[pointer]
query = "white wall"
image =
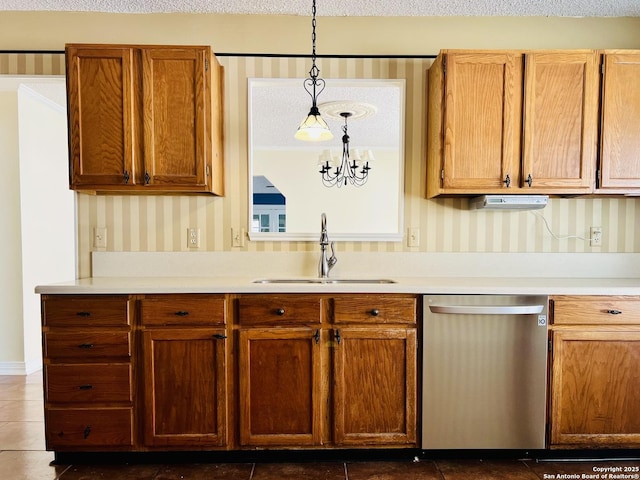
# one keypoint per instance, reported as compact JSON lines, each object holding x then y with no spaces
{"x":11,"y":344}
{"x":38,"y":230}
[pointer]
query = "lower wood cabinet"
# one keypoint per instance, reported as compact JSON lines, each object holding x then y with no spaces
{"x":594,"y":394}
{"x":184,"y":371}
{"x":88,"y":372}
{"x":327,"y":379}
{"x":280,"y":384}
{"x":223,"y":372}
{"x":374,"y":389}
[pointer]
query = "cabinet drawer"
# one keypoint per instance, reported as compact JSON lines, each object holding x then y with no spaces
{"x":86,"y":310}
{"x":374,"y":309}
{"x":183,"y":309}
{"x":575,"y":310}
{"x":87,"y":345}
{"x":88,"y":383}
{"x":279,"y":309}
{"x":89,"y":427}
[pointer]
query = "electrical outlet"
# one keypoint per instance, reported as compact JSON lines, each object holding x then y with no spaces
{"x":595,"y":236}
{"x":100,"y":237}
{"x":193,"y":237}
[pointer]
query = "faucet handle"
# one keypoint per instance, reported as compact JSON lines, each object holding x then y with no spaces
{"x":333,"y":260}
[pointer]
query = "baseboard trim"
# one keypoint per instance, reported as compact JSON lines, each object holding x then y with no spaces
{"x":20,"y":368}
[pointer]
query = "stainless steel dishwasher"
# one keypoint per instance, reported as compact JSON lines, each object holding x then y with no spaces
{"x":484,"y":372}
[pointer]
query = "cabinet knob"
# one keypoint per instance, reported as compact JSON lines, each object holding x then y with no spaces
{"x":614,"y":312}
{"x":337,"y":336}
{"x":507,"y":181}
{"x":529,"y":180}
{"x":87,"y":432}
{"x":280,"y":312}
{"x":375,"y":312}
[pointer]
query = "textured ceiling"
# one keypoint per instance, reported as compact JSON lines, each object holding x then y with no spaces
{"x":379,"y":8}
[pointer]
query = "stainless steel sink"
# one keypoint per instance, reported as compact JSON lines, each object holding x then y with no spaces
{"x":326,"y":280}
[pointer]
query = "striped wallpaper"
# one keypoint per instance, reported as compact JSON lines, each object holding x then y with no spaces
{"x":159,"y":223}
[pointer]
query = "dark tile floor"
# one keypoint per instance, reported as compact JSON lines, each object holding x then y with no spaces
{"x":22,"y":457}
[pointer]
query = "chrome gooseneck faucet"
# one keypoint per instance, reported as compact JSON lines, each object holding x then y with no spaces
{"x":326,"y":263}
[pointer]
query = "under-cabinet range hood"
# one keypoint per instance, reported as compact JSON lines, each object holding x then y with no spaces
{"x":509,"y":202}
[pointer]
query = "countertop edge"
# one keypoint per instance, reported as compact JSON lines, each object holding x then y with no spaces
{"x":408,"y":285}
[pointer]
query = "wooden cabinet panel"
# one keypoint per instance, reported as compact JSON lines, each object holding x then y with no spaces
{"x":176,"y":107}
{"x":86,"y":310}
{"x":595,"y":310}
{"x":89,"y":428}
{"x":279,"y":309}
{"x":86,"y":345}
{"x":185,"y":385}
{"x":100,"y":83}
{"x":620,"y":142}
{"x":483,"y":101}
{"x":595,"y":398}
{"x":280,"y":387}
{"x":560,"y":121}
{"x":378,"y":309}
{"x":375,"y":386}
{"x":188,"y":309}
{"x":88,"y":383}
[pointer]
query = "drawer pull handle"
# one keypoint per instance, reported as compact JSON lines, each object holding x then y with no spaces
{"x":83,"y":314}
{"x":614,"y":312}
{"x":85,"y":387}
{"x":86,"y":345}
{"x":87,"y":432}
{"x":337,"y":336}
{"x":316,"y":336}
{"x":181,"y":313}
{"x":280,"y":312}
{"x":219,"y":336}
{"x":375,"y":312}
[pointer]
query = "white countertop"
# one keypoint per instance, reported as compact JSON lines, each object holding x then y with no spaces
{"x":454,"y":273}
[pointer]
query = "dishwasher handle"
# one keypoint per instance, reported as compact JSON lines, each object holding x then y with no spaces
{"x":487,"y":309}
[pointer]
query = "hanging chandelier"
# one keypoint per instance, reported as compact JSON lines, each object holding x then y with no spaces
{"x":313,"y":128}
{"x":352,"y":168}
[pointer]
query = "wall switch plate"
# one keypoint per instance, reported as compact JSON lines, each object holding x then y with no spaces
{"x":595,"y":236}
{"x":413,"y":237}
{"x":193,"y":237}
{"x":237,"y":237}
{"x":100,"y":237}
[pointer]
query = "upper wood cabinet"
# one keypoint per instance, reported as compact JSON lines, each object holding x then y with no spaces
{"x":619,"y":168}
{"x":144,"y":119}
{"x":512,"y":122}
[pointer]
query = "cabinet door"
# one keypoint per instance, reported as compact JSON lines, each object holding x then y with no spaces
{"x":482,"y":118}
{"x":280,"y":386}
{"x":595,"y":399}
{"x":375,"y":386}
{"x":176,"y":107}
{"x":620,"y":143}
{"x":101,"y":115}
{"x":560,"y":122}
{"x":185,"y":375}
